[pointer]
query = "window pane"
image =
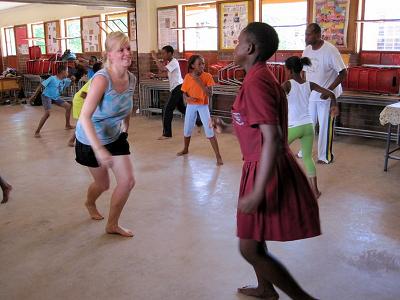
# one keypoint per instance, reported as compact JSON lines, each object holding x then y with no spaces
{"x":287,"y":14}
{"x":201,"y":38}
{"x":117,"y":22}
{"x":10,"y":41}
{"x":73,"y":29}
{"x":382,"y":36}
{"x":38,"y":32}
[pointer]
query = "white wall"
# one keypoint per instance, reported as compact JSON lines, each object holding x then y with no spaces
{"x":45,"y":12}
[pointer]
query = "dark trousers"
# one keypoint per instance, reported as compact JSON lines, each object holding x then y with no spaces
{"x":175,"y":101}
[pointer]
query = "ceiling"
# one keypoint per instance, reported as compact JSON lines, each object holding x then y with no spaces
{"x":112,"y":3}
{"x":8,"y":5}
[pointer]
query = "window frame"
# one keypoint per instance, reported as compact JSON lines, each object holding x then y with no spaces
{"x":6,"y":43}
{"x":362,"y":22}
{"x":184,"y":24}
{"x":66,"y":32}
{"x":44,"y":35}
{"x":115,"y":14}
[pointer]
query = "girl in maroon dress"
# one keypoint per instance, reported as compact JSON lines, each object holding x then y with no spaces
{"x":276,"y":202}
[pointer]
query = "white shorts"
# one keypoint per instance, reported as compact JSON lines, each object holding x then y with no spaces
{"x":190,"y":119}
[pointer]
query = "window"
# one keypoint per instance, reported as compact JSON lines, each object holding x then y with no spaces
{"x":289,"y":18}
{"x":117,"y":22}
{"x":73,"y":35}
{"x":38,"y":37}
{"x":10,"y":41}
{"x":201,"y":27}
{"x":380,"y":33}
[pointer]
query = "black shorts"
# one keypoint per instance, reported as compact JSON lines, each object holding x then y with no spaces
{"x":85,"y":155}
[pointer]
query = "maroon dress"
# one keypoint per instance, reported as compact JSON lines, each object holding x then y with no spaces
{"x":289,"y":210}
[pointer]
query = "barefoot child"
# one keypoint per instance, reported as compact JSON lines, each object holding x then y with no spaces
{"x":276,"y":202}
{"x":79,"y":97}
{"x":196,"y":91}
{"x":53,"y":88}
{"x":300,"y":123}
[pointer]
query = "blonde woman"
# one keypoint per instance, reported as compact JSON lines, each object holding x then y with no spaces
{"x":102,"y":131}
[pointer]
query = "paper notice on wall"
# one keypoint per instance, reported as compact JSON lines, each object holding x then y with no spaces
{"x":234,"y":17}
{"x":132,"y":30}
{"x":52,"y":44}
{"x":333,"y":17}
{"x":167,"y":20}
{"x":91,"y":34}
{"x":23,"y":49}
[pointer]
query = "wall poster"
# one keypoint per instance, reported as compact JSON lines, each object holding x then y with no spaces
{"x":21,"y":39}
{"x":167,"y":19}
{"x":333,"y":17}
{"x":132,"y":30}
{"x":91,"y":36}
{"x":53,"y":45}
{"x":233,"y":17}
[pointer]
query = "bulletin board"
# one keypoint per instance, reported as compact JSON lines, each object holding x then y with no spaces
{"x":21,"y":39}
{"x":91,"y":35}
{"x":52,"y":32}
{"x":333,"y":17}
{"x":233,"y":16}
{"x":132,"y":30}
{"x":167,"y":18}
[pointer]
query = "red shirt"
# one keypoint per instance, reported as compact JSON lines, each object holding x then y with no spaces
{"x":261,"y":100}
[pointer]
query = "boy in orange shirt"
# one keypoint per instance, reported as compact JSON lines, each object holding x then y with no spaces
{"x":196,"y":91}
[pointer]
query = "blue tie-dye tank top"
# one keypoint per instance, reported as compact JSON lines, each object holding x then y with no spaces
{"x":109,"y":114}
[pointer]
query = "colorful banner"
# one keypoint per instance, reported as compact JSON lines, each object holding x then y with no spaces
{"x":333,"y":17}
{"x":234,"y":16}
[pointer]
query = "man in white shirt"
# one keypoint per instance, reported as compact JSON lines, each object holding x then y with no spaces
{"x":175,"y":100}
{"x":327,"y":70}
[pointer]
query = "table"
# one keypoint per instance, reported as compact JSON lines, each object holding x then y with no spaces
{"x":10,"y":84}
{"x":391,"y":115}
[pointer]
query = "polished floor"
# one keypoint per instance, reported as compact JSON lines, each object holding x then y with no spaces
{"x":182,"y":212}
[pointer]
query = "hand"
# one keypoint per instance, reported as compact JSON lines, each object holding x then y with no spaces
{"x":325,"y":96}
{"x":250,"y":203}
{"x":103,"y":157}
{"x":150,"y":75}
{"x":154,"y":55}
{"x":334,"y":111}
{"x":217,"y":124}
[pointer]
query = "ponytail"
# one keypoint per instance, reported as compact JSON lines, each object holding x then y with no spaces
{"x":295,"y":63}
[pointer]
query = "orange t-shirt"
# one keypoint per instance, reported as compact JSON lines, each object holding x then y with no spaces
{"x":193,"y":89}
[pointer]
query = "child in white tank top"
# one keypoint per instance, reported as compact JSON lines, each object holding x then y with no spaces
{"x":299,"y":119}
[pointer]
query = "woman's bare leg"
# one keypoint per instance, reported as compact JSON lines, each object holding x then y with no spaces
{"x":100,"y":184}
{"x":123,"y":171}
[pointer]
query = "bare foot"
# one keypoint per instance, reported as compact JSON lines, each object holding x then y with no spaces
{"x":163,"y":137}
{"x":68,"y":127}
{"x":93,"y":212}
{"x":37,"y":135}
{"x":119,"y":230}
{"x":183,"y":152}
{"x":257,"y":292}
{"x":219,"y":161}
{"x":6,"y":193}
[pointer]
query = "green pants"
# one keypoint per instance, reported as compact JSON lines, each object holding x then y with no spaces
{"x":306,"y":135}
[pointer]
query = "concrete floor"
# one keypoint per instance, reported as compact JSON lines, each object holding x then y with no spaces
{"x":182,"y":211}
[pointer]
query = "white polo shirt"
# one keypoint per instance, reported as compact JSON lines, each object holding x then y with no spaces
{"x":174,"y":74}
{"x":326,"y":63}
